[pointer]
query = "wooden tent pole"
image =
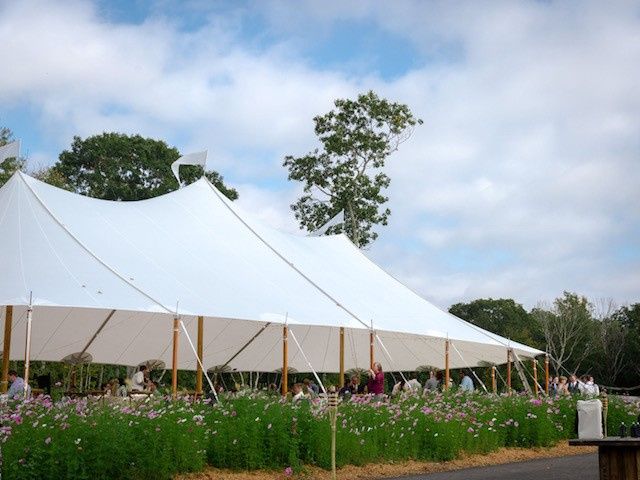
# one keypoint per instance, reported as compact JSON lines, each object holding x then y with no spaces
{"x":341,"y":380}
{"x":6,"y":351}
{"x":371,"y":352}
{"x":285,"y":360}
{"x":27,"y":351}
{"x":200,"y":351}
{"x":446,"y":365}
{"x":509,"y":371}
{"x":535,"y":376}
{"x":494,"y":386}
{"x":546,"y":374}
{"x":174,"y":368}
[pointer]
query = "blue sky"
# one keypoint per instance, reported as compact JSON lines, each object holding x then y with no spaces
{"x":521,"y":183}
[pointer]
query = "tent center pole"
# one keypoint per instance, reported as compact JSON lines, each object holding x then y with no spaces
{"x":6,"y":350}
{"x":341,"y":379}
{"x":200,"y":350}
{"x":446,"y":365}
{"x":494,"y":386}
{"x":27,"y":351}
{"x":285,"y":360}
{"x":174,"y":369}
{"x":509,"y":371}
{"x":546,"y":374}
{"x":371,"y":351}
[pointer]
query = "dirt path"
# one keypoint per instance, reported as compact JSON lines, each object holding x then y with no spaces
{"x":389,"y":470}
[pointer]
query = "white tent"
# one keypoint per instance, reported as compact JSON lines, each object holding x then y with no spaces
{"x":194,"y":252}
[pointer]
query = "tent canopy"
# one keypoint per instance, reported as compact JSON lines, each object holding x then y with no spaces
{"x":195,"y":253}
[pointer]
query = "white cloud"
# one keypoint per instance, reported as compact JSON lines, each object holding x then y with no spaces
{"x":529,"y":147}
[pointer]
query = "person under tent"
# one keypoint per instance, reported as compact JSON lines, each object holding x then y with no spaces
{"x":466,"y":384}
{"x":16,"y":390}
{"x":139,"y":380}
{"x":350,"y":388}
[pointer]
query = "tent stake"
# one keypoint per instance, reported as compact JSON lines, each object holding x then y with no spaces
{"x":446,"y":365}
{"x":6,"y":351}
{"x":199,"y":354}
{"x":285,"y":360}
{"x":174,"y":369}
{"x":341,"y":381}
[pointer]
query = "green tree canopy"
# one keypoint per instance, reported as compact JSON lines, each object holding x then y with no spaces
{"x":114,"y":166}
{"x":10,"y":165}
{"x":502,"y":316}
{"x":346,"y":173}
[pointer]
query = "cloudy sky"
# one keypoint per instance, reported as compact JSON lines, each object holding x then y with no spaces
{"x":523,"y":181}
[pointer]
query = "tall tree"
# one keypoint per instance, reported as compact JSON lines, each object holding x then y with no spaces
{"x":114,"y":166}
{"x":10,"y":165}
{"x":629,"y":317}
{"x":503,"y":317}
{"x":569,"y":330}
{"x":346,"y":174}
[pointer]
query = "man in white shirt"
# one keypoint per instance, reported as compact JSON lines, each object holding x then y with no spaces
{"x":138,"y":382}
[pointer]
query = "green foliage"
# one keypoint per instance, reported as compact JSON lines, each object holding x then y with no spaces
{"x":11,"y":165}
{"x":114,"y":166}
{"x":158,"y":439}
{"x":346,"y":174}
{"x":502,"y":316}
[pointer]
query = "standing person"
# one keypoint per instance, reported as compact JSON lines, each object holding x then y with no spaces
{"x":574,"y":386}
{"x":466,"y":384}
{"x":376,"y":380}
{"x":17,"y":386}
{"x":553,"y":386}
{"x":563,"y":388}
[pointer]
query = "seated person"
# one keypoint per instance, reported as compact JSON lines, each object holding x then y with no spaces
{"x":16,"y":390}
{"x":297,"y":393}
{"x":138,"y":381}
{"x":121,"y":387}
{"x":398,"y":388}
{"x":351,"y":387}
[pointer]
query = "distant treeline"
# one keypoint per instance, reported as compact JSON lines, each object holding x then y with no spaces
{"x":582,"y":336}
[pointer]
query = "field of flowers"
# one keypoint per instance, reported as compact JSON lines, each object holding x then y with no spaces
{"x":102,"y":440}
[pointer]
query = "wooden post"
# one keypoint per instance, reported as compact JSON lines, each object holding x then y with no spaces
{"x":546,"y":374}
{"x":6,"y":351}
{"x":446,"y":365}
{"x":341,"y":380}
{"x":285,"y":360}
{"x":509,"y":371}
{"x":494,"y":386}
{"x":200,"y":349}
{"x":535,"y":376}
{"x":174,"y":369}
{"x":27,"y":352}
{"x":371,"y":353}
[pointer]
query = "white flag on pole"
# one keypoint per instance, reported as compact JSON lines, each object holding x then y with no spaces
{"x":198,"y":158}
{"x":10,"y":150}
{"x":337,"y":220}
